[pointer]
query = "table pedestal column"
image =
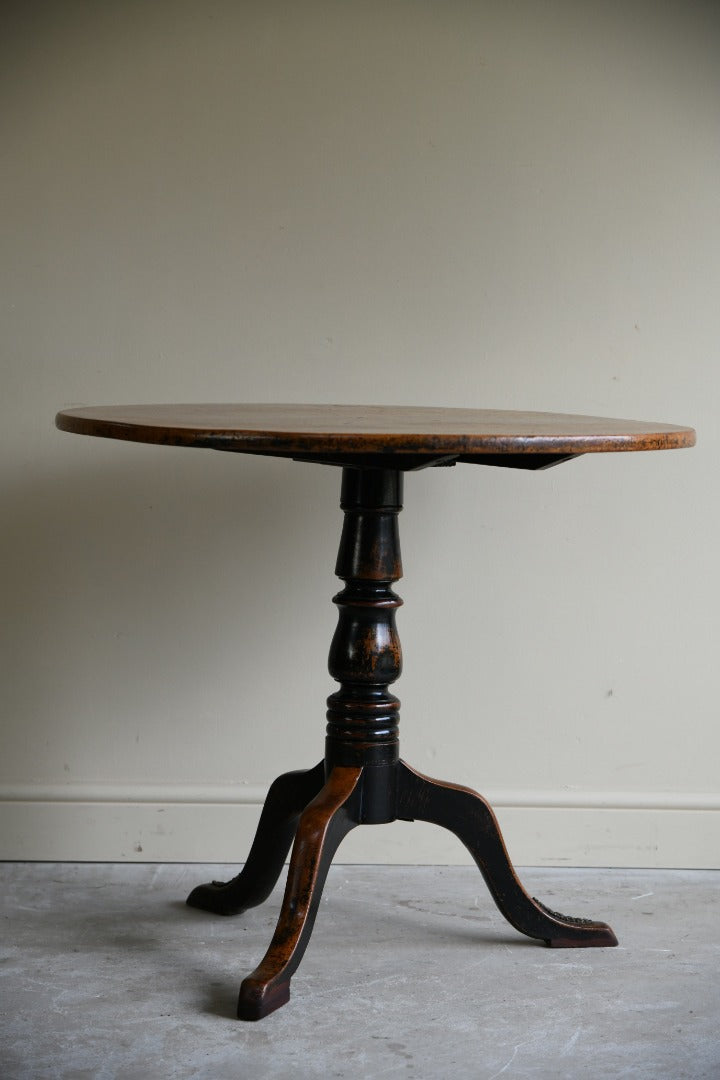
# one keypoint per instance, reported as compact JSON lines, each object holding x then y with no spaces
{"x":362,"y":780}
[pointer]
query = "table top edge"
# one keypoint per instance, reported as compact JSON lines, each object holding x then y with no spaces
{"x":564,"y":434}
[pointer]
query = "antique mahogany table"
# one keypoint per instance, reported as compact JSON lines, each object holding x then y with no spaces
{"x":362,"y":780}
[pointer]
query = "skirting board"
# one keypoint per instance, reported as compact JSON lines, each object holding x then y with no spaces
{"x":184,"y":824}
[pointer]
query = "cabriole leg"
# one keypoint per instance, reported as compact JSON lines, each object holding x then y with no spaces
{"x":470,"y":817}
{"x":287,"y":798}
{"x":328,"y":818}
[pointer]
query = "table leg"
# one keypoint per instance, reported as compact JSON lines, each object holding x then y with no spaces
{"x":287,"y":798}
{"x":471,"y":818}
{"x":323,"y":824}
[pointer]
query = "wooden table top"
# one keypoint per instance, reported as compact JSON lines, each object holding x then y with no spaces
{"x":343,"y":432}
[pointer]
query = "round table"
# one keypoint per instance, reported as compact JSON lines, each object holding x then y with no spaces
{"x":362,"y":779}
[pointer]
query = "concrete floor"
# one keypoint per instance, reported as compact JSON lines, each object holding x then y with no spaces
{"x":412,"y":972}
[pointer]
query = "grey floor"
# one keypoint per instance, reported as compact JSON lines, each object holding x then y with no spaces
{"x":411,"y":973}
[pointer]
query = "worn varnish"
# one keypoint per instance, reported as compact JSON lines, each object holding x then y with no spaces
{"x":287,"y":798}
{"x":362,"y":779}
{"x":337,"y":432}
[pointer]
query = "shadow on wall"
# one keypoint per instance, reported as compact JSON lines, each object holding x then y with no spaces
{"x":147,"y":591}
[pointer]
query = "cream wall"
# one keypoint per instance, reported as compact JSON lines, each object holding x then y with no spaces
{"x":481,"y":204}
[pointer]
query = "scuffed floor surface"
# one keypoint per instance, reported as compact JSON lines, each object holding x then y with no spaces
{"x":411,"y":973}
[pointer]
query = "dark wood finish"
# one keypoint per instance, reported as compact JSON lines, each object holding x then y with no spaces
{"x":470,"y":817}
{"x":365,"y":655}
{"x":362,"y":780}
{"x":329,"y":817}
{"x":372,"y":794}
{"x":331,"y":432}
{"x":287,"y":798}
{"x":367,"y":783}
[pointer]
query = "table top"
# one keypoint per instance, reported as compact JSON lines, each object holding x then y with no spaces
{"x":345,"y":433}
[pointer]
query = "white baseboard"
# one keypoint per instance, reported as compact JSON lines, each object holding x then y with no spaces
{"x":189,"y":823}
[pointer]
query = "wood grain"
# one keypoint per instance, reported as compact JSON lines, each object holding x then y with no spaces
{"x":327,"y":430}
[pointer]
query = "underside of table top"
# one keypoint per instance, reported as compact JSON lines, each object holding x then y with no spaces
{"x":404,"y":436}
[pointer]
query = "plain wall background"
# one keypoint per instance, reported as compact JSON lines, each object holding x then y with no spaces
{"x":501,"y":205}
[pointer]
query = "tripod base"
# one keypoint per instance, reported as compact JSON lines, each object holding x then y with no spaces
{"x":361,"y":780}
{"x":354,"y":795}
